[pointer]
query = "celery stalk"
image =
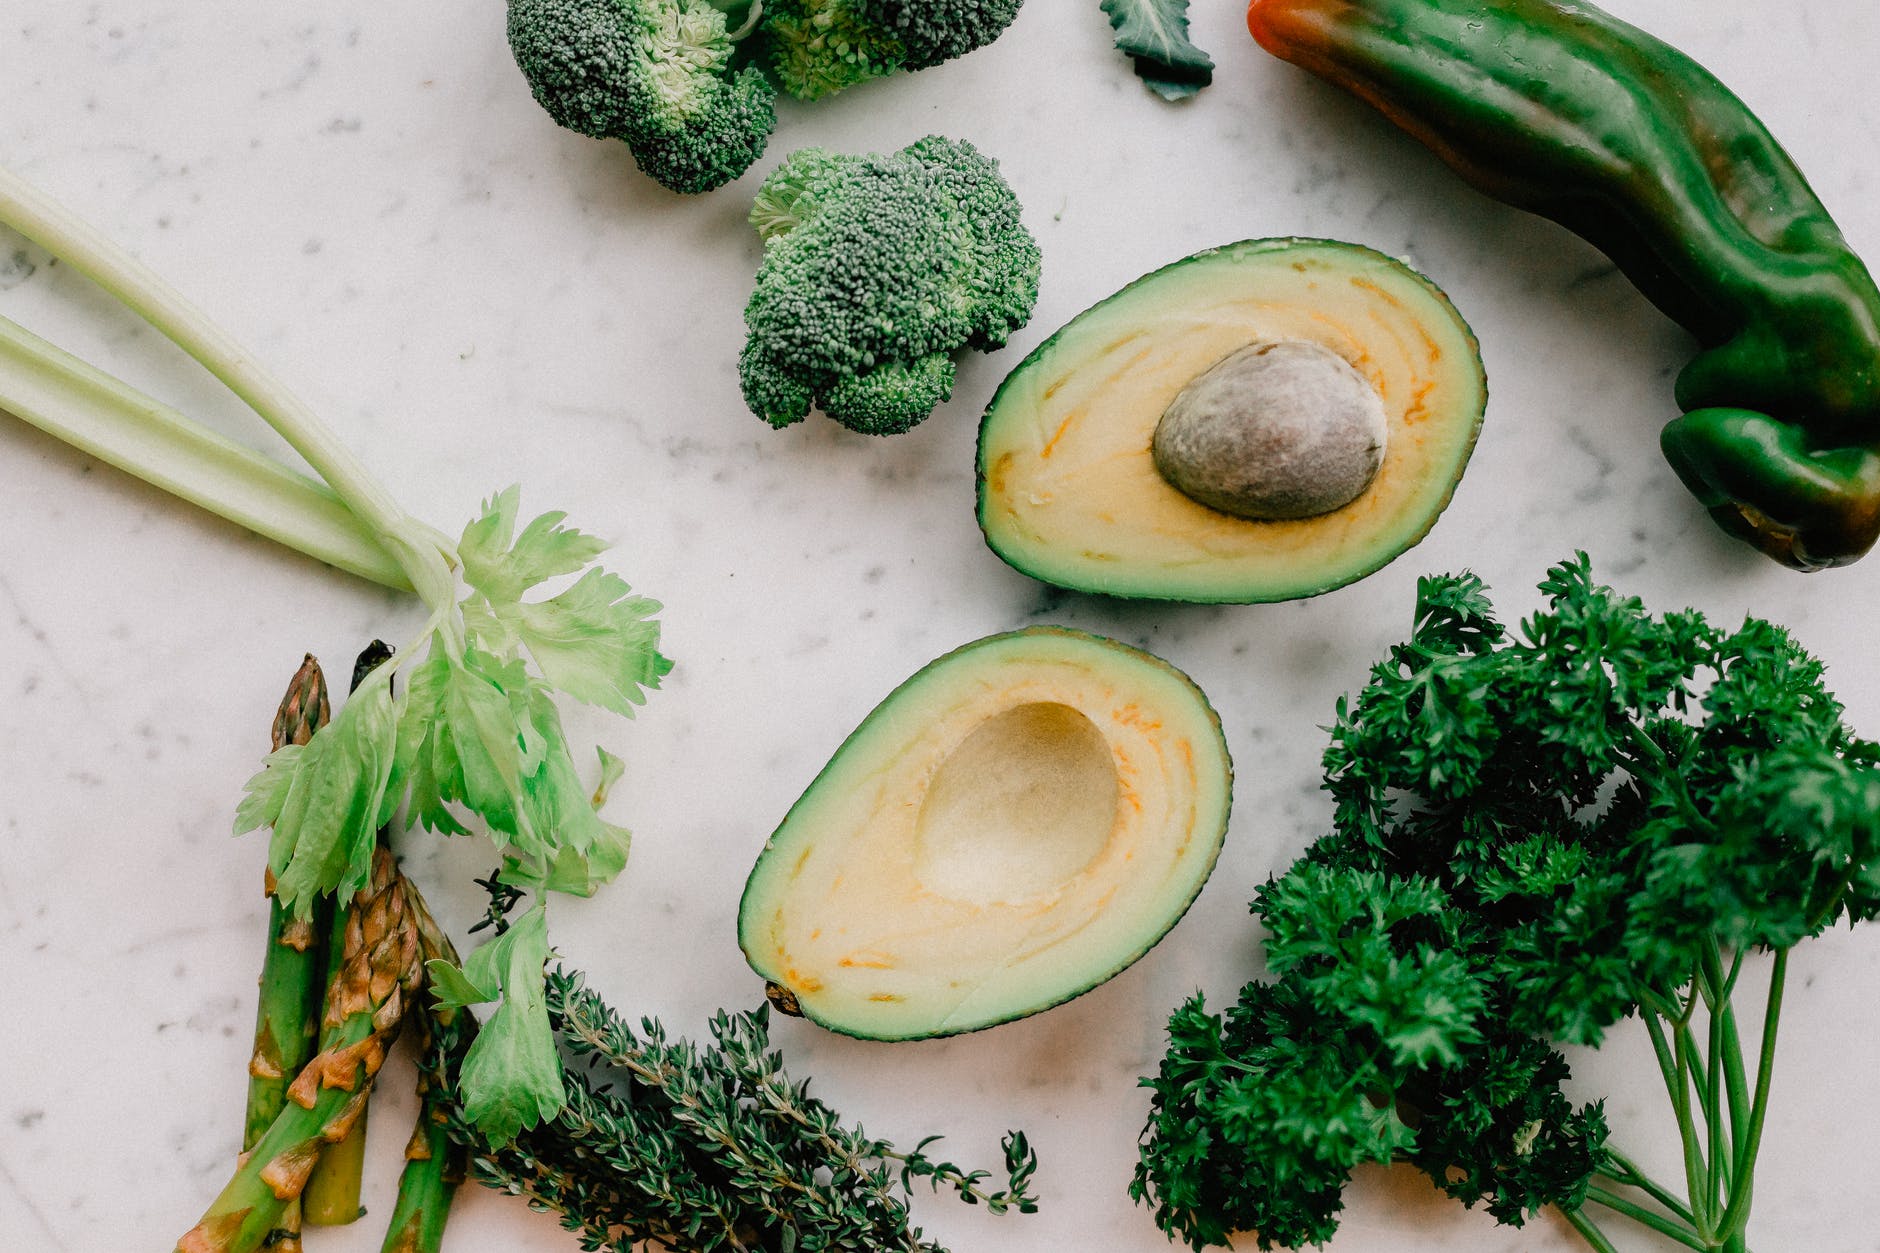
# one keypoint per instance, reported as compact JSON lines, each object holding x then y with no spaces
{"x":97,"y":414}
{"x":424,"y":556}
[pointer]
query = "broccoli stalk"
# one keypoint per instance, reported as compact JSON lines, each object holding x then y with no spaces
{"x":821,"y":46}
{"x":876,"y":270}
{"x":658,"y":74}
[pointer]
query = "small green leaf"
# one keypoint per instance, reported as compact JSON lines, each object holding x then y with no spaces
{"x":612,"y":768}
{"x":576,"y":873}
{"x":426,"y":754}
{"x":328,"y":821}
{"x":512,"y":1076}
{"x":266,"y":792}
{"x":475,"y":745}
{"x":482,"y":706}
{"x":593,"y":852}
{"x":1155,"y":35}
{"x":453,"y":988}
{"x":503,"y":568}
{"x":554,"y":796}
{"x":596,"y":641}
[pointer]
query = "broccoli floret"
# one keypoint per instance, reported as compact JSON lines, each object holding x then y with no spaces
{"x":820,"y":46}
{"x":655,"y":73}
{"x":877,"y":269}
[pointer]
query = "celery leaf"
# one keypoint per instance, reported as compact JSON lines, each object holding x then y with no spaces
{"x":266,"y":792}
{"x":512,"y":1076}
{"x":596,"y":641}
{"x":503,"y":565}
{"x":598,"y":853}
{"x":328,"y":820}
{"x":453,"y":988}
{"x":475,"y":731}
{"x":612,"y":769}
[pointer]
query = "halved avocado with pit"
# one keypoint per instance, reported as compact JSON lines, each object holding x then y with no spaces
{"x":1012,"y":826}
{"x":1069,"y":490}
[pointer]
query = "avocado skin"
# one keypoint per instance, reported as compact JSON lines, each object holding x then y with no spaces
{"x":749,"y":902}
{"x":1235,"y":595}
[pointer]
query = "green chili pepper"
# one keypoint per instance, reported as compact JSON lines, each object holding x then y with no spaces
{"x":1561,"y":109}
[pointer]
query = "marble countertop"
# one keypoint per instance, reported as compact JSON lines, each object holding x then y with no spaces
{"x":366,"y":195}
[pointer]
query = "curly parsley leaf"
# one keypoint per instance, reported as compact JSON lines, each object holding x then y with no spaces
{"x":1154,"y":33}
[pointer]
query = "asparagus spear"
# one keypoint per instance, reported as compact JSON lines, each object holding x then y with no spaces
{"x":287,"y":1018}
{"x":434,"y":1163}
{"x":434,"y":1166}
{"x":293,"y":967}
{"x":379,"y":977}
{"x":331,"y":1197}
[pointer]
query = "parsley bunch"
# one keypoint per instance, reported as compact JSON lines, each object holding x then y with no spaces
{"x":1537,"y":835}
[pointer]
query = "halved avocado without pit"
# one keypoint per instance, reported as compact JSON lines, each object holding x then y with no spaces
{"x":1074,"y":482}
{"x":1012,"y":826}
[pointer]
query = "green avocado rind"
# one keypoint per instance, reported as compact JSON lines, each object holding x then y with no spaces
{"x":1118,"y":580}
{"x":775,"y":853}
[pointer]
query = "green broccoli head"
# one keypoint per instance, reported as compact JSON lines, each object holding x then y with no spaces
{"x":821,"y":46}
{"x":877,"y":269}
{"x":655,"y":73}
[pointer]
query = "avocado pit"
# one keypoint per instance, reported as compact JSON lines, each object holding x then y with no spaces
{"x":1274,"y":431}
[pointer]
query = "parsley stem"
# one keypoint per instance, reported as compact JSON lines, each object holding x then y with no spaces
{"x":1589,"y":1231}
{"x":1697,"y":1171}
{"x":1648,"y":1218}
{"x":1628,"y":1174}
{"x":1714,"y":1101}
{"x":1661,"y":1049}
{"x":1736,"y":1084}
{"x":1673,"y":1064}
{"x":1655,"y":1004}
{"x":1737,"y":1216}
{"x":1667,"y":773}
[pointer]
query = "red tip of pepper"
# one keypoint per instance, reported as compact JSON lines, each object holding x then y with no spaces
{"x":1256,"y":20}
{"x":1280,"y":25}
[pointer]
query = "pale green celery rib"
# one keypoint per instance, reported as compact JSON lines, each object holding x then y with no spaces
{"x":114,"y":422}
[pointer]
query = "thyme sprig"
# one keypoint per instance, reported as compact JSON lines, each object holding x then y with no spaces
{"x":702,"y":1148}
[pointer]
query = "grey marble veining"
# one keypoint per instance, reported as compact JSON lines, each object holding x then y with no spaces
{"x":367,"y":196}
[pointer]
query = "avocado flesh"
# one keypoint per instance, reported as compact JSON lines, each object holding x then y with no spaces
{"x":1014,"y":825}
{"x":1068,"y":489}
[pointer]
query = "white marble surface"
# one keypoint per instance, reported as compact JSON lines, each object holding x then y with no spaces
{"x":366,"y":194}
